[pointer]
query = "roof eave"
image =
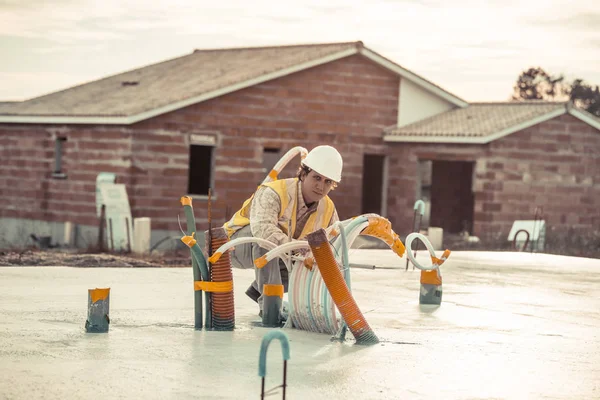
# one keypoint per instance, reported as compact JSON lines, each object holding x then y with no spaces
{"x":585,"y":117}
{"x":478,"y":139}
{"x":68,"y":120}
{"x":435,"y":139}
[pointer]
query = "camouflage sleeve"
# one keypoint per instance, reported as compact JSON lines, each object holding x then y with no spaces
{"x":264,"y":216}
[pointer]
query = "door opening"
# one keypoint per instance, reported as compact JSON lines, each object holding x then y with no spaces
{"x":451,"y":193}
{"x":373,"y":187}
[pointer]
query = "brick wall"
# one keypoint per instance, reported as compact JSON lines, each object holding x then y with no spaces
{"x":554,"y":165}
{"x":346,"y":103}
{"x":27,"y":187}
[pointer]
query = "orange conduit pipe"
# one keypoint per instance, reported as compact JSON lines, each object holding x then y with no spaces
{"x":334,"y":280}
{"x":223,"y":307}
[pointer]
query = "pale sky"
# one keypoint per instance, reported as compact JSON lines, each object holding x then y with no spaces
{"x":474,"y":49}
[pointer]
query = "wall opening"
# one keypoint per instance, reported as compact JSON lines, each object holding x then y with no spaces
{"x":451,"y":193}
{"x":200,"y":171}
{"x":58,"y":158}
{"x":373,"y":187}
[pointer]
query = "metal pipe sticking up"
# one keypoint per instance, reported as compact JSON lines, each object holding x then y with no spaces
{"x":419,"y":208}
{"x":186,"y":202}
{"x":431,"y":277}
{"x":208,"y":240}
{"x":98,"y":310}
{"x":537,"y":223}
{"x":262,"y":360}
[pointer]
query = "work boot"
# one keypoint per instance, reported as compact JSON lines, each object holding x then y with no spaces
{"x":253,"y":293}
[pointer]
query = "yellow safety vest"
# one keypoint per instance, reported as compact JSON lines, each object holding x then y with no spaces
{"x":287,"y":189}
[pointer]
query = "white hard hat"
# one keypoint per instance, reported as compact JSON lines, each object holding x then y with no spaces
{"x":326,"y":161}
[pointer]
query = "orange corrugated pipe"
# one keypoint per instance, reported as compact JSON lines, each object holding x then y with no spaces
{"x":334,"y":280}
{"x":223,"y":306}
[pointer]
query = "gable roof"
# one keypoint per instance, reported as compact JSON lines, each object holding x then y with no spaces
{"x":146,"y":92}
{"x":481,"y":123}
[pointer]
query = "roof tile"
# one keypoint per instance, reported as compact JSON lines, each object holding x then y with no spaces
{"x":477,"y":120}
{"x":174,"y":80}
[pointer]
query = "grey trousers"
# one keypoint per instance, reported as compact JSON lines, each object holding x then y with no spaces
{"x":243,"y":256}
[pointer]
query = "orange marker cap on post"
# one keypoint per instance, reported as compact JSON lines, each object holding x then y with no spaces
{"x":186,"y":201}
{"x":98,"y":294}
{"x":189,"y":240}
{"x":432,"y":277}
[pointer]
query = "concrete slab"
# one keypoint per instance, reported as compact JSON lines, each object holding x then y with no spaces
{"x":511,"y":325}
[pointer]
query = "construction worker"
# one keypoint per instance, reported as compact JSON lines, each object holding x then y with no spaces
{"x":284,"y":210}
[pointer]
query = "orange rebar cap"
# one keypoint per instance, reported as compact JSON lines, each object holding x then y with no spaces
{"x":186,"y":201}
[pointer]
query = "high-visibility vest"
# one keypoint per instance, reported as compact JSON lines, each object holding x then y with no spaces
{"x":287,"y":189}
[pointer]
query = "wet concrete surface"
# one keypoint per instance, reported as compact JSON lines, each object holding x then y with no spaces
{"x":511,"y":326}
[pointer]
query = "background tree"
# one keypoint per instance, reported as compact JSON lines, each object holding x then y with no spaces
{"x":585,"y":96}
{"x":537,"y":84}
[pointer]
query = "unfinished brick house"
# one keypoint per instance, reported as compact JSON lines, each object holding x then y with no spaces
{"x":221,"y":118}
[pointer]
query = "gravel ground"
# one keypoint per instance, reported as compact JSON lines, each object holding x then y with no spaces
{"x":34,"y":257}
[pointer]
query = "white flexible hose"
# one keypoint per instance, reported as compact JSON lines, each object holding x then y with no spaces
{"x":427,"y":243}
{"x":282,"y":249}
{"x":311,"y":306}
{"x":248,"y":239}
{"x":283,"y":161}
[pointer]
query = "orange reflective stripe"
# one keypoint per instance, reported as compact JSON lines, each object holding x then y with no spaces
{"x":273,"y":174}
{"x":218,"y":287}
{"x":446,"y":254}
{"x":440,"y":261}
{"x":273,"y":290}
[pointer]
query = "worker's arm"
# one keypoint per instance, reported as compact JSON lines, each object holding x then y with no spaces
{"x":264,"y":216}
